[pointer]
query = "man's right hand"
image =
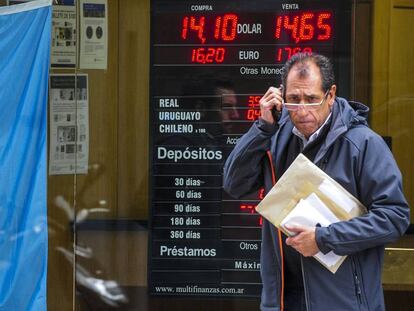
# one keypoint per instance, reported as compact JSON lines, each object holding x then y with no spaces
{"x":270,"y":100}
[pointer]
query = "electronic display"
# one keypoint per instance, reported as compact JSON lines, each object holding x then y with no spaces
{"x":210,"y":64}
{"x":221,"y":39}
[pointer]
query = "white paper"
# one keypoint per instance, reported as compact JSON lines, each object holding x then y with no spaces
{"x":69,"y":124}
{"x":311,"y":212}
{"x":94,"y":34}
{"x":337,"y":196}
{"x":63,"y":48}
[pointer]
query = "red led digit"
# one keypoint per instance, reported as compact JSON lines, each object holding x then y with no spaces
{"x":279,"y":55}
{"x":210,"y":55}
{"x":278,"y":27}
{"x":250,"y":115}
{"x":260,"y":221}
{"x":256,"y":100}
{"x":217,"y":28}
{"x":292,"y":26}
{"x":251,"y":101}
{"x":184,"y":31}
{"x":201,"y":57}
{"x":220,"y":52}
{"x":229,"y":27}
{"x":289,"y":52}
{"x":306,"y":30}
{"x":325,"y":26}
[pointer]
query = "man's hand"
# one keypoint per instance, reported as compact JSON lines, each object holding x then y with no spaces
{"x":304,"y":241}
{"x":271,"y":99}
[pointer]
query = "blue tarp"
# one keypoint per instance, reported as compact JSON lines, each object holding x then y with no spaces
{"x":25,"y":31}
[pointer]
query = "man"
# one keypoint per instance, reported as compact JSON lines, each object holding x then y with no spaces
{"x":333,"y":133}
{"x":228,"y":113}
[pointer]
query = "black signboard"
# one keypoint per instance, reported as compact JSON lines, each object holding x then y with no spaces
{"x":210,"y":63}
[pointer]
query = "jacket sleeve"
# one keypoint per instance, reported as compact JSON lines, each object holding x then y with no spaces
{"x":379,"y":183}
{"x":243,"y":168}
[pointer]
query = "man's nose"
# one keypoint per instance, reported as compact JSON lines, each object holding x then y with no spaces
{"x":302,"y":111}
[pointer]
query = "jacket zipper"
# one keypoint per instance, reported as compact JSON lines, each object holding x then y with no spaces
{"x":305,"y":285}
{"x":358,"y":290}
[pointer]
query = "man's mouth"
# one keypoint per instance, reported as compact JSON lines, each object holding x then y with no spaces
{"x":304,"y":121}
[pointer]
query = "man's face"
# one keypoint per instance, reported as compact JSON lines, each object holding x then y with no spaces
{"x":229,"y":113}
{"x":306,"y":89}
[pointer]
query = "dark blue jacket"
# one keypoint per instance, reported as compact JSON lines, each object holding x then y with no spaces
{"x":361,"y":162}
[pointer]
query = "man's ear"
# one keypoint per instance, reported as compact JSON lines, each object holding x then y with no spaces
{"x":332,"y":94}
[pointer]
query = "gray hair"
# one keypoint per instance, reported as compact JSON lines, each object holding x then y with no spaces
{"x":301,"y":59}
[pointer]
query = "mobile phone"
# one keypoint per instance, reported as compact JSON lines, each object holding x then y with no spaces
{"x":275,"y":113}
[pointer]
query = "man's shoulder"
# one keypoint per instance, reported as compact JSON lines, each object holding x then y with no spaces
{"x":361,"y":136}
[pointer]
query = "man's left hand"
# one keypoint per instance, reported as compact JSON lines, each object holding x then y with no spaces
{"x":304,"y":241}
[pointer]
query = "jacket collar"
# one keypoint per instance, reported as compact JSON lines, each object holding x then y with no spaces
{"x":345,"y":115}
